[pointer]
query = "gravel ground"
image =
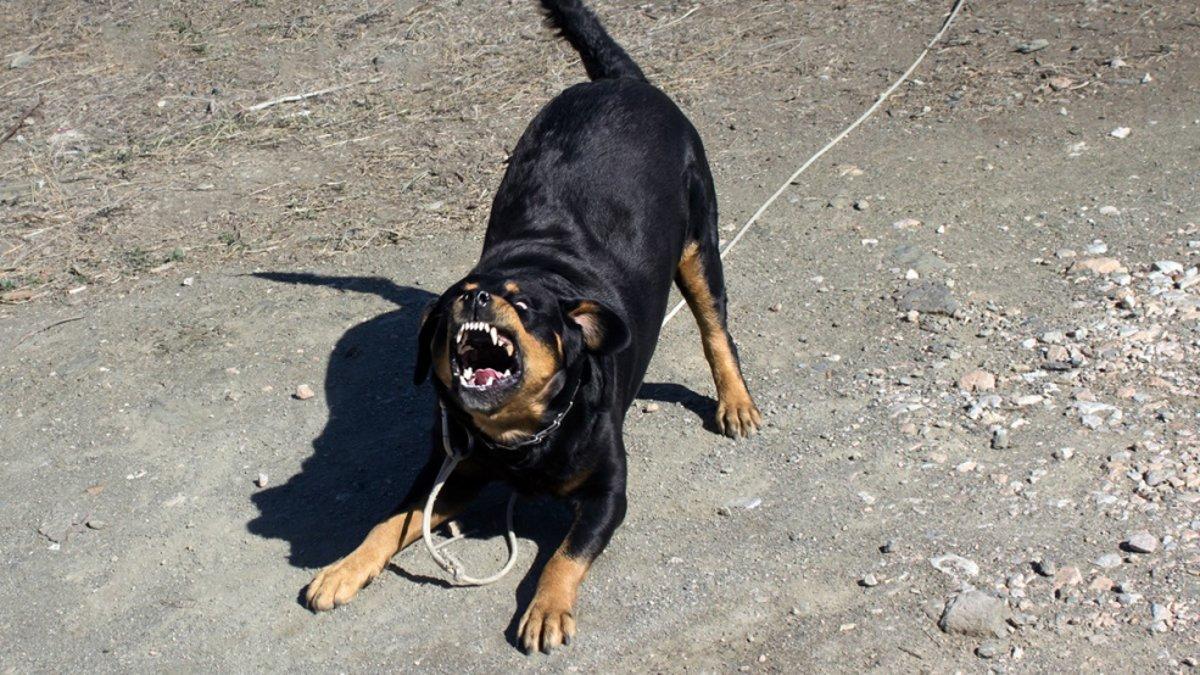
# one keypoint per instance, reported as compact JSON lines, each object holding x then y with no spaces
{"x":972,"y":330}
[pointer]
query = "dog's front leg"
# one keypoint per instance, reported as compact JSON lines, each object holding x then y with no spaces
{"x":550,"y":619}
{"x":338,"y":583}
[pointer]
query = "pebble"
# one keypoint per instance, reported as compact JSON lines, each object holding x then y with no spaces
{"x":1000,"y":439}
{"x":1168,"y":267}
{"x":1045,"y":567}
{"x":262,"y":480}
{"x":888,"y":546}
{"x":977,"y":380}
{"x":1033,"y":46}
{"x":96,"y":524}
{"x":906,"y":224}
{"x":868,"y":581}
{"x":1063,"y":454}
{"x":651,"y":408}
{"x":1142,"y":542}
{"x":974,"y":613}
{"x":862,"y":205}
{"x":188,"y":281}
{"x":1108,"y":561}
{"x":1109,"y":211}
{"x":1098,"y":266}
{"x":304,"y":392}
{"x":1120,"y":132}
{"x":955,"y":565}
{"x":929,"y":298}
{"x":988,"y":649}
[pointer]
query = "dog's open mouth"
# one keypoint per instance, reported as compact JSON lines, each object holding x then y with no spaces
{"x":485,"y":357}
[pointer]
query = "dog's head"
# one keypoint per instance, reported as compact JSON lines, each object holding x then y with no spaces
{"x":502,"y":348}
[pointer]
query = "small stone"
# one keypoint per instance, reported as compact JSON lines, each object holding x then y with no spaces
{"x":1102,"y":584}
{"x":977,"y":380}
{"x":1097,"y":266}
{"x":1109,"y":211}
{"x":1033,"y":46}
{"x":96,"y":524}
{"x":1142,"y":542}
{"x":988,"y":649}
{"x":839,"y":202}
{"x":1120,"y":132}
{"x":1067,"y":576}
{"x":906,"y":224}
{"x":1028,"y":400}
{"x":1000,"y":439}
{"x":1116,"y":63}
{"x":1063,"y":454}
{"x":1168,"y":267}
{"x":974,"y":613}
{"x":862,"y":205}
{"x":868,"y":581}
{"x":1108,"y":561}
{"x":888,"y":546}
{"x":651,"y":407}
{"x":955,"y":566}
{"x":304,"y":392}
{"x":1146,"y":79}
{"x":1059,"y":82}
{"x":775,"y":307}
{"x":1045,"y":567}
{"x":262,"y":480}
{"x":188,"y":281}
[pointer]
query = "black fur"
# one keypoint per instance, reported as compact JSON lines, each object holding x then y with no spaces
{"x":602,"y":194}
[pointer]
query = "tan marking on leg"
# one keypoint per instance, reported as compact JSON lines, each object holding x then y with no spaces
{"x":338,"y":583}
{"x":737,"y":416}
{"x":512,"y":287}
{"x":550,"y":619}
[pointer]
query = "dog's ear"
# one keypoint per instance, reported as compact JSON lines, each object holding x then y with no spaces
{"x":603,"y":331}
{"x":431,"y":327}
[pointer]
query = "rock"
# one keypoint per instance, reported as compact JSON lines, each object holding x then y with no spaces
{"x":906,"y":224}
{"x":1168,"y":266}
{"x":1063,"y":454}
{"x":928,"y":298}
{"x":1109,"y":211}
{"x":1066,"y":577}
{"x":1120,"y":132}
{"x":862,"y":205}
{"x":1102,"y":584}
{"x":747,"y":503}
{"x":1097,"y":266}
{"x":1000,"y":439}
{"x":96,"y":524}
{"x":888,"y":546}
{"x":868,"y":581}
{"x":1108,"y":561}
{"x":988,"y":649}
{"x":977,"y":380}
{"x":651,"y":407}
{"x":974,"y":613}
{"x":262,"y":480}
{"x":188,"y":281}
{"x":839,"y":202}
{"x":955,"y":566}
{"x":1028,"y":400}
{"x":1033,"y":46}
{"x":775,"y":307}
{"x":1059,"y":83}
{"x":1142,"y":542}
{"x":304,"y":392}
{"x":1146,"y":79}
{"x":1045,"y":567}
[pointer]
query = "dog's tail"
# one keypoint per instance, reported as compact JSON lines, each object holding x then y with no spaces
{"x":602,"y":56}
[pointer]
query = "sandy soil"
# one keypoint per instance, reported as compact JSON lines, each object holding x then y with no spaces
{"x":173,"y":266}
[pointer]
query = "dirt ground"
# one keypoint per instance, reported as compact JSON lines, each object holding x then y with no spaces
{"x":973,"y":330}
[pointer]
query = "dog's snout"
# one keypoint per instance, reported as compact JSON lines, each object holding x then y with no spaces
{"x":481,"y":299}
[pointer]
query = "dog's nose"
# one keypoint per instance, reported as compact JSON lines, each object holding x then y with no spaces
{"x":482,"y":298}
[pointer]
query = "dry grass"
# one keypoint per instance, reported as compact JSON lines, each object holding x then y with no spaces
{"x":143,"y":157}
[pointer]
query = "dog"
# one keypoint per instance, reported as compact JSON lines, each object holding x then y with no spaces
{"x":539,"y":351}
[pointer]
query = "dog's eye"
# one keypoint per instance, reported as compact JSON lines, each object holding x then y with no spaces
{"x":521,"y":305}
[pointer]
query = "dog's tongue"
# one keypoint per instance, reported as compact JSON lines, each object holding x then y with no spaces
{"x":485,"y":375}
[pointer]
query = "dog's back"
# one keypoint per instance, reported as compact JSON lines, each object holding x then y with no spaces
{"x":583,"y":193}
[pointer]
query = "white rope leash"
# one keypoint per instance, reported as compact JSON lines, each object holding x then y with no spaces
{"x":452,"y":565}
{"x":828,"y":146}
{"x":443,"y":558}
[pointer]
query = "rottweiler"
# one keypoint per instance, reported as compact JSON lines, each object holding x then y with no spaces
{"x":538,"y":352}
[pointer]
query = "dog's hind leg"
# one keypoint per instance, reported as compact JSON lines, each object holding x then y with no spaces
{"x":701,"y":280}
{"x":338,"y":583}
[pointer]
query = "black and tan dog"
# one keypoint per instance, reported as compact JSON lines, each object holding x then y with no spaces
{"x":539,"y":351}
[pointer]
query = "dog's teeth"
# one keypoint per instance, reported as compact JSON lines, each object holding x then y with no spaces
{"x":495,"y":340}
{"x":509,"y":348}
{"x":507,"y":373}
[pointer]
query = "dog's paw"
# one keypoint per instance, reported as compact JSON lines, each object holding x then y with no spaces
{"x":339,"y":583}
{"x":548,"y":623}
{"x":737,"y":416}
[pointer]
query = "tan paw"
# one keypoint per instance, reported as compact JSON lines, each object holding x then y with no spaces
{"x":737,"y":416}
{"x":548,"y":623}
{"x":340,"y":582}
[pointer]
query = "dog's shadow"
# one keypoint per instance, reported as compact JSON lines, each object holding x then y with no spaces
{"x":376,"y":439}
